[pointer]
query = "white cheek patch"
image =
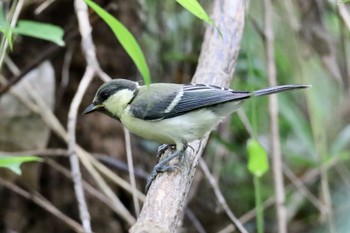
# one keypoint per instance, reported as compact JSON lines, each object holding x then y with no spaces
{"x":117,"y":102}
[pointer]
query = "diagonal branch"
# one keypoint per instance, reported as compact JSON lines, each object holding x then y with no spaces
{"x":166,"y":198}
{"x":220,"y":196}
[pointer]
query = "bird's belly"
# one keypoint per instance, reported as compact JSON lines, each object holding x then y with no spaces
{"x":184,"y":128}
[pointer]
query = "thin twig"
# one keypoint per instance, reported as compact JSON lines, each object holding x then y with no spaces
{"x":194,"y":220}
{"x":89,"y":163}
{"x":131,"y":171}
{"x":221,"y":197}
{"x":273,"y":113}
{"x":43,"y":203}
{"x":111,"y":175}
{"x":120,"y":165}
{"x":245,"y":121}
{"x":65,"y":72}
{"x":302,"y":188}
{"x":11,"y":65}
{"x":73,"y":158}
{"x":43,"y":6}
{"x":89,"y":188}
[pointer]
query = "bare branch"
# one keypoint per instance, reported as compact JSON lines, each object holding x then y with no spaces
{"x":273,"y":113}
{"x":220,"y":197}
{"x":73,"y":158}
{"x":131,"y":171}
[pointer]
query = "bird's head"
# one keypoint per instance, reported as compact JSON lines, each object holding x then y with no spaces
{"x":112,"y":97}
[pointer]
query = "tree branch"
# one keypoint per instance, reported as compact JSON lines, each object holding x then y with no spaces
{"x":273,"y":113}
{"x":166,"y":198}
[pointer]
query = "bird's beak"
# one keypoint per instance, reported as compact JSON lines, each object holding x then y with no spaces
{"x":93,"y":107}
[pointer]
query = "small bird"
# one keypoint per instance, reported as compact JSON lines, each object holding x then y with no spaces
{"x":172,"y":114}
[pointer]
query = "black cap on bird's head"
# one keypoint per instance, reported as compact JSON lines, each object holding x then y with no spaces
{"x":106,"y":90}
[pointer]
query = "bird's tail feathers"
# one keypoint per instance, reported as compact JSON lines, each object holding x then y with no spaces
{"x":272,"y":90}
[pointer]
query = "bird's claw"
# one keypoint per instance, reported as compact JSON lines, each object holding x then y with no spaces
{"x":159,"y":169}
{"x":163,"y":167}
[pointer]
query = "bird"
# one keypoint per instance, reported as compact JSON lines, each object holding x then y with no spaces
{"x":171,"y":114}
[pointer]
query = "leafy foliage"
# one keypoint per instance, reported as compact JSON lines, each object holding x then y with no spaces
{"x":126,"y":39}
{"x":42,"y":31}
{"x":196,"y":9}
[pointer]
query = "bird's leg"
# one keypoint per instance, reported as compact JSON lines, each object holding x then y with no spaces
{"x":182,"y":156}
{"x":163,"y":167}
{"x":162,"y":149}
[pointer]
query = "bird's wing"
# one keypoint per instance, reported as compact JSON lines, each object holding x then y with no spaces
{"x":181,"y":99}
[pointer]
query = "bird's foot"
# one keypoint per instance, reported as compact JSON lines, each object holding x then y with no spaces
{"x":163,"y":167}
{"x":159,"y":169}
{"x":162,"y":149}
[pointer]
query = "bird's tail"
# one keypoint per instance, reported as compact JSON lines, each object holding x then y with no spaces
{"x":272,"y":90}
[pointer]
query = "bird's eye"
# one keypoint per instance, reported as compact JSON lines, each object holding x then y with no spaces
{"x":104,"y":95}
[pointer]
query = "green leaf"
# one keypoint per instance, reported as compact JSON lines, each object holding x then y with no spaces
{"x":14,"y":163}
{"x":126,"y":39}
{"x":258,"y":163}
{"x":42,"y":31}
{"x":196,"y":9}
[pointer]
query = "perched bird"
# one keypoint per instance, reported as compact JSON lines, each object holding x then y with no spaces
{"x":173,"y":114}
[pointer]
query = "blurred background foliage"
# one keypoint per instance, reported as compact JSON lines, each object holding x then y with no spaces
{"x":312,"y":46}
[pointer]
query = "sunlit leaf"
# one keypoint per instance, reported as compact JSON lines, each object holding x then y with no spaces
{"x":42,"y":31}
{"x":196,"y":9}
{"x":14,"y":163}
{"x":258,"y":163}
{"x":126,"y":39}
